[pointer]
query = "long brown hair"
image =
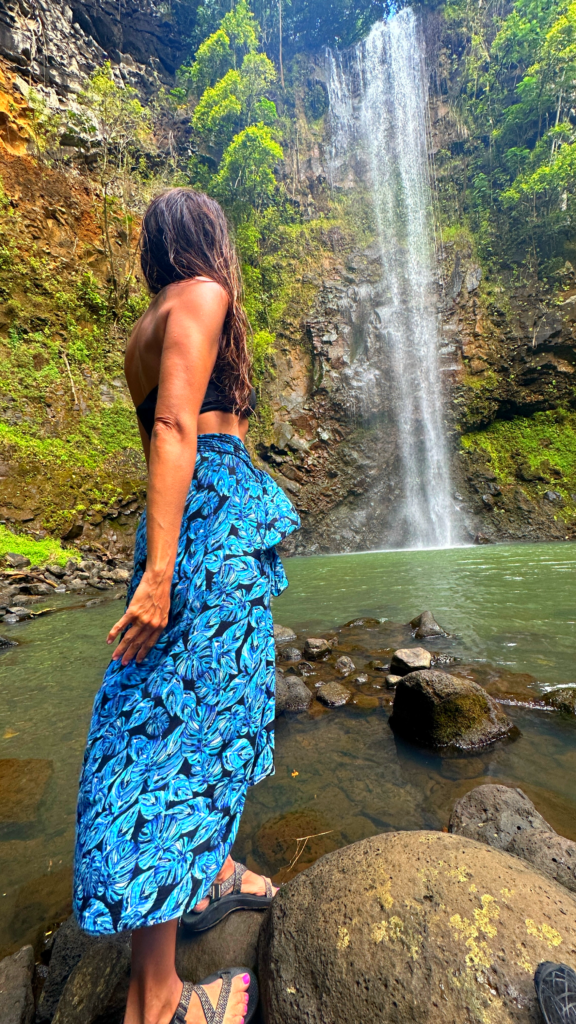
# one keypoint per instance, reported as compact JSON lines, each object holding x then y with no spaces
{"x":184,"y":235}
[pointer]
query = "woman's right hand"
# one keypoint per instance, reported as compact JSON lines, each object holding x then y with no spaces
{"x":144,"y":619}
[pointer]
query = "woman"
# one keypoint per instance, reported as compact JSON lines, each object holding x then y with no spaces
{"x":182,"y":723}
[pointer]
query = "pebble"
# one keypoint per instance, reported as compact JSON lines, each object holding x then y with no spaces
{"x":345,"y":665}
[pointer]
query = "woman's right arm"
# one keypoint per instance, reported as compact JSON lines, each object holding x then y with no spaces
{"x":193,"y":328}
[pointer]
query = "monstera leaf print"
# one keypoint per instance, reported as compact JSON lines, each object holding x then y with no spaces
{"x":175,"y":741}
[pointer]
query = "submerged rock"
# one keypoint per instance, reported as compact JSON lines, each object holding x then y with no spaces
{"x":23,"y":783}
{"x":316,"y":648}
{"x":412,"y":928}
{"x":506,"y":819}
{"x":292,"y":694}
{"x":5,"y":642}
{"x":344,"y":665}
{"x":16,"y":999}
{"x":290,"y":654}
{"x":334,"y":695}
{"x":425,"y":625}
{"x":283,"y":633}
{"x":435,"y":709}
{"x":562,"y":698}
{"x":410,"y":659}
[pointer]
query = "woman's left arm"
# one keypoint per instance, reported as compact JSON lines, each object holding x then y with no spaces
{"x":192,"y":333}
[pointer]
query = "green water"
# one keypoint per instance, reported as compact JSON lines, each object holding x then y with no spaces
{"x":513,"y":606}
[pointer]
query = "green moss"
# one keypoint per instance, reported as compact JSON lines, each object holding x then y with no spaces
{"x":544,"y":442}
{"x":40,"y":552}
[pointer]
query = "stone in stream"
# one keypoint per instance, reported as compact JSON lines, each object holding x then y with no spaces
{"x":562,"y":698}
{"x":16,"y":998}
{"x":435,"y":709}
{"x":506,"y":819}
{"x":392,"y":681}
{"x":316,"y":648}
{"x":425,"y":625}
{"x":292,"y":694}
{"x":412,"y":928}
{"x":290,"y":654}
{"x":304,"y":668}
{"x":410,"y":659}
{"x":5,"y":642}
{"x":16,"y":561}
{"x":283,"y":633}
{"x":334,"y":695}
{"x":344,"y":666}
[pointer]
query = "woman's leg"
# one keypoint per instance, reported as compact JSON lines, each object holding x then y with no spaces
{"x":155,"y":988}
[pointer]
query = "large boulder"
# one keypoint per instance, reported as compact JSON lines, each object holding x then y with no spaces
{"x":70,"y":945}
{"x":506,"y":819}
{"x":233,"y":941}
{"x":413,"y":928}
{"x":96,"y":990}
{"x":16,"y":999}
{"x":436,"y":709}
{"x":410,"y":659}
{"x":292,"y":694}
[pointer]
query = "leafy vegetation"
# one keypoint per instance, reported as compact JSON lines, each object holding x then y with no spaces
{"x":540,"y":449}
{"x":40,"y":552}
{"x":517,"y":158}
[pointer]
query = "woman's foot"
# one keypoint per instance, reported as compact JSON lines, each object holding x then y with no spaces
{"x":251,"y":883}
{"x":237,"y":1001}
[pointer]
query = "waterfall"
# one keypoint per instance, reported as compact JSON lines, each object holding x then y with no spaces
{"x":378,"y":110}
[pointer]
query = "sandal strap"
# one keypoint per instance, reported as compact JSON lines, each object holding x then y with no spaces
{"x":181,"y":1010}
{"x":233,"y":884}
{"x":215,"y":1015}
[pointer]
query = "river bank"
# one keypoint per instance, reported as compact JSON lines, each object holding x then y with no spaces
{"x":340,"y":771}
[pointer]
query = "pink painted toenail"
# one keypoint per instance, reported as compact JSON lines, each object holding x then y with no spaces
{"x":245,"y":978}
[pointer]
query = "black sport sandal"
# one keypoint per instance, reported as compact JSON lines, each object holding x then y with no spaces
{"x":555,"y":986}
{"x":225,"y":898}
{"x":215,"y":1014}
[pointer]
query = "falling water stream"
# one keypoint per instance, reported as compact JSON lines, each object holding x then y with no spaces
{"x":378,"y":104}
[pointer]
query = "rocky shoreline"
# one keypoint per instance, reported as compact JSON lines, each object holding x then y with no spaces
{"x":405,"y":926}
{"x":23,"y":585}
{"x":401,"y":927}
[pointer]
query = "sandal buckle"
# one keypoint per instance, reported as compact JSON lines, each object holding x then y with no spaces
{"x":215,"y":893}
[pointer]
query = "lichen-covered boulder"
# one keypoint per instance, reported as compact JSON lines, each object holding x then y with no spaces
{"x":413,"y":928}
{"x":562,"y":698}
{"x":436,"y":709}
{"x":506,"y":819}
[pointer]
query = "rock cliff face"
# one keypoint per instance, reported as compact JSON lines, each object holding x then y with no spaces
{"x":507,"y":350}
{"x":56,"y":45}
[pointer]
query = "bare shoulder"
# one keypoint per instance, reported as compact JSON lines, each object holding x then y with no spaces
{"x":198,"y":296}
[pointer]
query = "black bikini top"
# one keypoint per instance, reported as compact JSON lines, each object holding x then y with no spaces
{"x":215,"y":400}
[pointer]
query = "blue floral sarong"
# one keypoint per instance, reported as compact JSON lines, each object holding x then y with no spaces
{"x":175,"y":742}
